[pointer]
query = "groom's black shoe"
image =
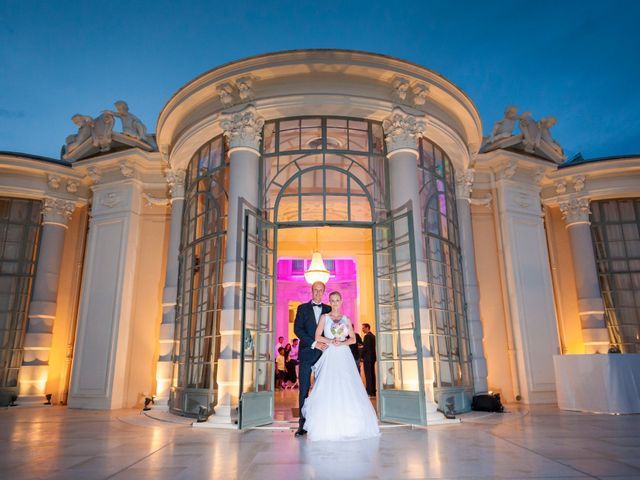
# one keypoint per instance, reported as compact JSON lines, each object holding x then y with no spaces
{"x":301,"y":432}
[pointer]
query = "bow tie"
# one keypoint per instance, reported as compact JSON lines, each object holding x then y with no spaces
{"x":316,"y":304}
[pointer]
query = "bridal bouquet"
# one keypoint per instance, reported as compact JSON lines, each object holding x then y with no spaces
{"x":339,"y":331}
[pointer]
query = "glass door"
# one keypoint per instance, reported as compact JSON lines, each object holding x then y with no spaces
{"x":258,"y":294}
{"x":401,"y":393}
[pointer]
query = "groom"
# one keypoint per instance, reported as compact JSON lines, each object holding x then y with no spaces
{"x":304,"y":327}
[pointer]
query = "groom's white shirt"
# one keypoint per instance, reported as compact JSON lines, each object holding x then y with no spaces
{"x":317,"y":311}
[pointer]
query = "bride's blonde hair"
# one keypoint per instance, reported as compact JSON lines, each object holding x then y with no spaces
{"x":336,"y":293}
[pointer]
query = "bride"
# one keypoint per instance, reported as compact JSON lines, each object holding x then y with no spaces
{"x":338,"y":407}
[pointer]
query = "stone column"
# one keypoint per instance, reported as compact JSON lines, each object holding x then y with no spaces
{"x":243,"y":131}
{"x":34,"y":370}
{"x":104,"y":347}
{"x":590,"y":306}
{"x":464,"y":184}
{"x":402,"y":132}
{"x":164,"y":369}
{"x":529,"y":289}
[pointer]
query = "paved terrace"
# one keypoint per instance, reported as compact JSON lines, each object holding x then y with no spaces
{"x":542,"y":442}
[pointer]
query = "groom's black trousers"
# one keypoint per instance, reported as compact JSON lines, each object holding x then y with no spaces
{"x":304,"y":383}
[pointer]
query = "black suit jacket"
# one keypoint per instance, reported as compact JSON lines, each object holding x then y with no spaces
{"x":369,"y":348}
{"x":356,"y":347}
{"x":305,"y":329}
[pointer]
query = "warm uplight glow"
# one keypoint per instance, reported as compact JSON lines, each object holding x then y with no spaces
{"x":317,"y":272}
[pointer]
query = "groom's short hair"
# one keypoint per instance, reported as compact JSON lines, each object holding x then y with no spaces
{"x":367,"y":326}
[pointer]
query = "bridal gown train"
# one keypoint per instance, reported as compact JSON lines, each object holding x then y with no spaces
{"x":338,"y":407}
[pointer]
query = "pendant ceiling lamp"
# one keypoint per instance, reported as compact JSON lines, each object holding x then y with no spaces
{"x":317,"y":272}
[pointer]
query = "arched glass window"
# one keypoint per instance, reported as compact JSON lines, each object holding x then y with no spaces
{"x":322,"y":169}
{"x":199,"y":286}
{"x":615,"y":225}
{"x":449,"y":340}
{"x":19,"y":232}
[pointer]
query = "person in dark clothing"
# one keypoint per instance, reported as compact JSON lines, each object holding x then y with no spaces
{"x":356,"y":347}
{"x":369,"y":358}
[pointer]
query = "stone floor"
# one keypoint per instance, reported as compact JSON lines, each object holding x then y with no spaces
{"x":542,"y":442}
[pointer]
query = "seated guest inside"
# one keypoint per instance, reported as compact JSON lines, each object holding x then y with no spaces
{"x":281,"y":371}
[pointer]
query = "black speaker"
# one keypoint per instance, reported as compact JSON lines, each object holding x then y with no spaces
{"x":488,"y":402}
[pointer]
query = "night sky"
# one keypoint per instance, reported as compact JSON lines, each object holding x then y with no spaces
{"x":578,"y":61}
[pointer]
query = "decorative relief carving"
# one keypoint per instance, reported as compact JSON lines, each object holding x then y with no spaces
{"x":402,"y":130}
{"x":151,"y":200}
{"x":126,"y":169}
{"x":94,"y":174}
{"x":72,"y":186}
{"x":57,"y":210}
{"x":575,"y":210}
{"x":53,"y":181}
{"x":561,"y":186}
{"x":243,"y":128}
{"x":225,"y":90}
{"x":420,"y":93}
{"x":485,"y":201}
{"x":510,"y":169}
{"x":400,"y":88}
{"x":539,"y":175}
{"x":110,"y":200}
{"x":245,"y":88}
{"x":464,"y":183}
{"x":578,"y":182}
{"x":175,"y":179}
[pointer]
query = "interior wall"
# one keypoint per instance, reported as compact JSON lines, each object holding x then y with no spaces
{"x":147,"y":311}
{"x":335,"y":242}
{"x":564,"y":283}
{"x":67,"y":307}
{"x":492,"y":310}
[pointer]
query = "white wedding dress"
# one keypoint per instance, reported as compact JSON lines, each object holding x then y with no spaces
{"x":338,"y":407}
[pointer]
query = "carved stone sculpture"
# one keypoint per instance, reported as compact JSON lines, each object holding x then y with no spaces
{"x":96,"y":134}
{"x":534,"y":137}
{"x":545,"y":135}
{"x":131,"y":125}
{"x":504,"y":128}
{"x":101,"y":131}
{"x":85,"y":125}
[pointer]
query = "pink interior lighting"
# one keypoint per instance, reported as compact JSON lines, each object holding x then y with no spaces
{"x":292,"y":287}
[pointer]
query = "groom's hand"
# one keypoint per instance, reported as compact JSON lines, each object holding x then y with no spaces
{"x":321,"y":346}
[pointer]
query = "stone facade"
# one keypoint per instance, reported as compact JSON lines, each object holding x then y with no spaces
{"x":530,"y":276}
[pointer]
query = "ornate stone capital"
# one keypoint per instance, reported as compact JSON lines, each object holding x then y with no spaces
{"x":176,"y":179}
{"x":402,"y":130}
{"x":575,"y":210}
{"x":243,"y":128}
{"x":57,"y":211}
{"x":464,"y":183}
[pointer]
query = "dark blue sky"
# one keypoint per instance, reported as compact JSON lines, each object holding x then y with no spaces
{"x":577,"y":61}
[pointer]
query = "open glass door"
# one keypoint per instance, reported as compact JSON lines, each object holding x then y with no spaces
{"x":401,"y":391}
{"x":258,"y":294}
